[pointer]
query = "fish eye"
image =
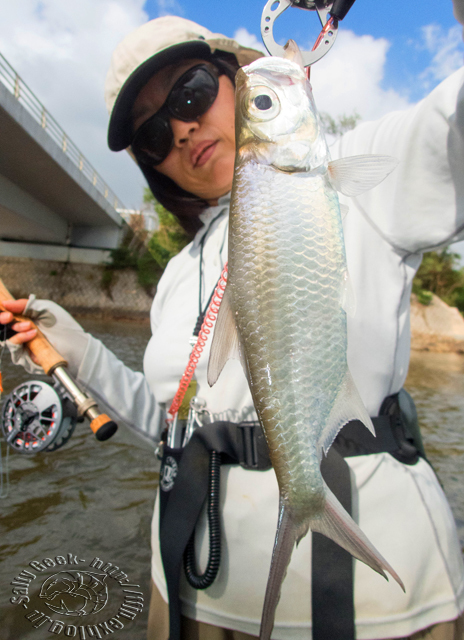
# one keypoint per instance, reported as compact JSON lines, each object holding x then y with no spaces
{"x":261,"y":104}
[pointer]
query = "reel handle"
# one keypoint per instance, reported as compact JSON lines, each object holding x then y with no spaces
{"x":54,"y":365}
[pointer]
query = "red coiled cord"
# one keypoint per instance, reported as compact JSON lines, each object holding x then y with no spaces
{"x":205,"y":330}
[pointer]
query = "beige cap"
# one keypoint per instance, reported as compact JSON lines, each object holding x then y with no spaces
{"x":146,"y":50}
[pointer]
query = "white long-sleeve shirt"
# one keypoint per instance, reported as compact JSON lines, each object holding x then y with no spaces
{"x":402,"y":509}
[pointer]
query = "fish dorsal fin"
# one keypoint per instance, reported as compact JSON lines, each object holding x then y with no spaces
{"x":348,"y":406}
{"x":356,"y":174}
{"x":226,"y":343}
{"x":293,"y":53}
{"x":348,"y":299}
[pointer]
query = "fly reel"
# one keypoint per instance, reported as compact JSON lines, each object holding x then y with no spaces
{"x":37,"y":417}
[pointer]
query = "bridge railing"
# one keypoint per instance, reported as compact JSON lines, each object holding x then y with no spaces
{"x":19,"y":89}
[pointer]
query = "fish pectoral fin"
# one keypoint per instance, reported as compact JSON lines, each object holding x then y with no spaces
{"x":348,"y":406}
{"x":225,"y":343}
{"x":356,"y":174}
{"x":336,"y":524}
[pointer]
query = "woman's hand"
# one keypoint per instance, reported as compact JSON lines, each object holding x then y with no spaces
{"x":24,"y":330}
{"x":58,"y":327}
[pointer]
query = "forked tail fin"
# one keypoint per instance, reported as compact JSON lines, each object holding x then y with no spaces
{"x":336,"y":524}
{"x":287,"y":535}
{"x":339,"y":526}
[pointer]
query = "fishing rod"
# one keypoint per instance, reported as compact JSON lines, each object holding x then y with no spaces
{"x":38,"y":417}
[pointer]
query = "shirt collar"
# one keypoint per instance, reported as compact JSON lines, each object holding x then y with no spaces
{"x":210,"y":214}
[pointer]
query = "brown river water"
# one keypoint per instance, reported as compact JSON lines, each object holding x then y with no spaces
{"x":91,"y":502}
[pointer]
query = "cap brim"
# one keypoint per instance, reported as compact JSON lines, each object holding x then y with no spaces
{"x":120,"y":125}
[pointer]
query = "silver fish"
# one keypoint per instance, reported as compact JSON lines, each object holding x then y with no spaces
{"x":284,"y":308}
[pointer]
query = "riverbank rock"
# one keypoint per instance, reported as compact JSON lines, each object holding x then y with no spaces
{"x":436,"y":326}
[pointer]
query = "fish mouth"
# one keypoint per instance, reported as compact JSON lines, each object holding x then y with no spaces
{"x":202,"y":152}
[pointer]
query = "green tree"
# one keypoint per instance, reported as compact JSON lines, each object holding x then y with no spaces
{"x":169,"y":238}
{"x":340,"y":125}
{"x":133,"y":253}
{"x":439,"y":274}
{"x":147,"y":255}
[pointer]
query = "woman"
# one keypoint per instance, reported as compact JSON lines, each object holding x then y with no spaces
{"x":170,"y":95}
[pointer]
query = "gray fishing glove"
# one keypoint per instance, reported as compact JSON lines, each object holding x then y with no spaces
{"x":60,"y":329}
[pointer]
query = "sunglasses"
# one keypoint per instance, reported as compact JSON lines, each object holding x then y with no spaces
{"x":190,"y":97}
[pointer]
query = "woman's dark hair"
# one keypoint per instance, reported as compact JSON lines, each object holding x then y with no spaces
{"x":183,"y":204}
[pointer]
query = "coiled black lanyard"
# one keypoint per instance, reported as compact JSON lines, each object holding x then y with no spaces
{"x":206,"y":579}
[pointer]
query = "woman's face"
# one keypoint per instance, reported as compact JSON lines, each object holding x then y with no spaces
{"x":202,"y":158}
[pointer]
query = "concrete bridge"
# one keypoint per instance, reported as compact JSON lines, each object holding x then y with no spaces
{"x":53,"y":203}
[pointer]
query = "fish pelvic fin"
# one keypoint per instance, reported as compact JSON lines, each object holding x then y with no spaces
{"x":348,"y":406}
{"x":335,"y":523}
{"x":288,"y":534}
{"x":355,"y":174}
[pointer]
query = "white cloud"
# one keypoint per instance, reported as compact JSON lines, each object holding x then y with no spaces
{"x":62,"y":49}
{"x":349,"y":78}
{"x":170,"y":7}
{"x":447,"y":51}
{"x":247,"y":39}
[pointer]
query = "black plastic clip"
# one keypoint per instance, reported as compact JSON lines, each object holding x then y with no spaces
{"x":253,"y":450}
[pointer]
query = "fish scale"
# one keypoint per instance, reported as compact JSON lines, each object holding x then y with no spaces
{"x":296,"y":286}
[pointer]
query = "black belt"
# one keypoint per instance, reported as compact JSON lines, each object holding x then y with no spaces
{"x":186,"y":488}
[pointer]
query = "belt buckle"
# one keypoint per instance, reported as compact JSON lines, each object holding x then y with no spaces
{"x":249,"y":445}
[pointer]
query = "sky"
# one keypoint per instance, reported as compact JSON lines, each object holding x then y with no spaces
{"x":388,"y":55}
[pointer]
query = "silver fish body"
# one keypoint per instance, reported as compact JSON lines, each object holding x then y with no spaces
{"x":284,"y":307}
{"x":286,"y":275}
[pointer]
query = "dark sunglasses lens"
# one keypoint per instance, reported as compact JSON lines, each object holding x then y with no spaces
{"x":153,"y":140}
{"x":194,"y":95}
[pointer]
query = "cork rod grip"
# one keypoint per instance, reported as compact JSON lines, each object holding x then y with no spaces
{"x":46,"y":356}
